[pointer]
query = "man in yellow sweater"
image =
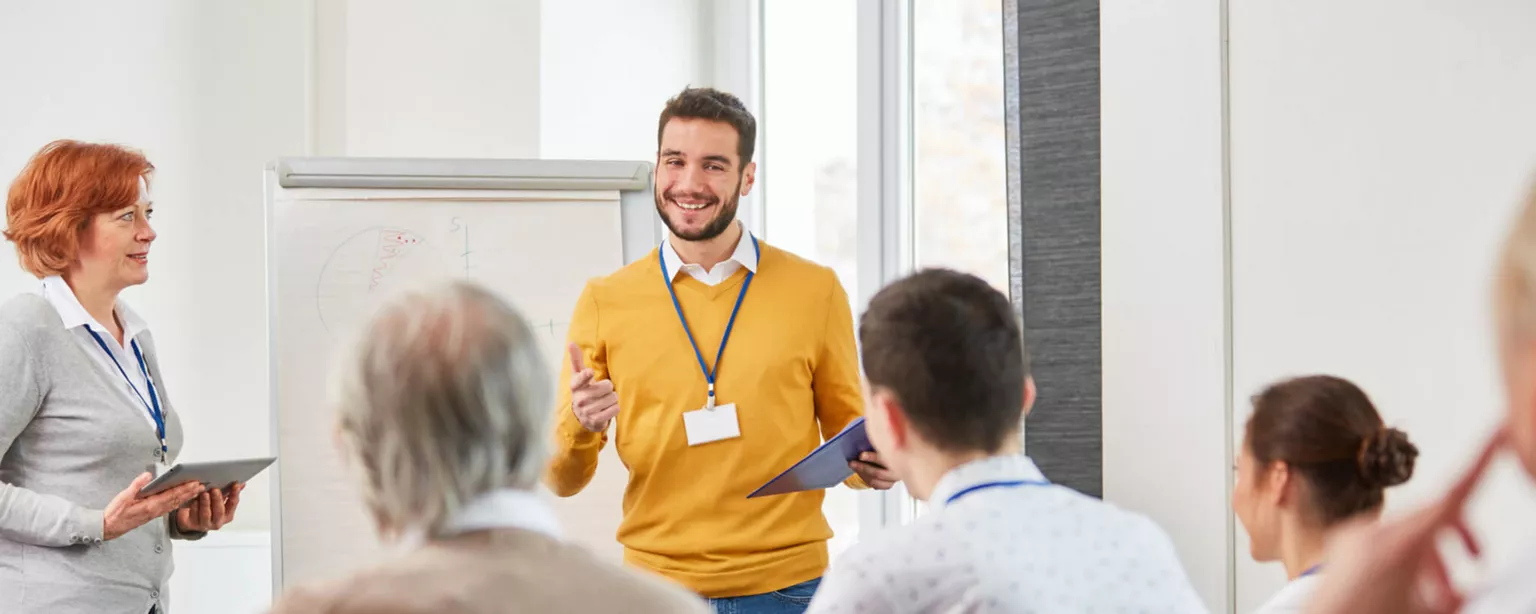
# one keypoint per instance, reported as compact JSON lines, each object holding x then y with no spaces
{"x":722,"y":360}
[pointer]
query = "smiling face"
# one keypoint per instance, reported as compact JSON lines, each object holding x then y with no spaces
{"x":114,"y":249}
{"x":700,"y":178}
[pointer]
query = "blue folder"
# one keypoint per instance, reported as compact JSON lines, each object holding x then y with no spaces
{"x":825,"y":467}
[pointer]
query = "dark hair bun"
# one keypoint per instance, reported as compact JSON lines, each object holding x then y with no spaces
{"x":1386,"y":458}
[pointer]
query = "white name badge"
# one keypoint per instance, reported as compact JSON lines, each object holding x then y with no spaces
{"x":707,"y":425}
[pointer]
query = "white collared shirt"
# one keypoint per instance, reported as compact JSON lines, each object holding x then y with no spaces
{"x":744,"y":256}
{"x":505,"y":508}
{"x":1026,"y":548}
{"x":77,"y":320}
{"x":1293,"y":598}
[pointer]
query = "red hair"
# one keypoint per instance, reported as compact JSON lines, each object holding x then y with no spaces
{"x":52,"y":201}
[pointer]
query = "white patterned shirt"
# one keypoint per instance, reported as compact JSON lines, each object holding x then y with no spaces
{"x":1031,"y":547}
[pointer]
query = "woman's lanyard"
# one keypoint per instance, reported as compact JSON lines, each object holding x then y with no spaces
{"x":153,"y":404}
{"x":709,"y":376}
{"x":983,"y":486}
{"x":1310,"y":571}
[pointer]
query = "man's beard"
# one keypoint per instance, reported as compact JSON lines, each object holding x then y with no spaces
{"x":725,"y":215}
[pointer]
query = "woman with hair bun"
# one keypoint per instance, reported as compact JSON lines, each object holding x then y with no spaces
{"x":1315,"y":456}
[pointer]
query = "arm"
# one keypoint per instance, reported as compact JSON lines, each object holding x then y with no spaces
{"x":838,"y":393}
{"x":27,"y":516}
{"x":574,"y":458}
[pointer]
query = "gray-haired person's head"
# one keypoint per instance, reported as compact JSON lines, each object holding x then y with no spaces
{"x":445,"y":397}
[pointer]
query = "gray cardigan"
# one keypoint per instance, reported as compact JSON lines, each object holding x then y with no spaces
{"x":71,"y":439}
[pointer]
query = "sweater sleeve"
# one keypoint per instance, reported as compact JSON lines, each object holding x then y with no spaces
{"x":839,"y":395}
{"x":574,"y":458}
{"x":28,"y":516}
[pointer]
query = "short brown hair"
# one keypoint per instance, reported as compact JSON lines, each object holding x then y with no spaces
{"x":53,"y":199}
{"x":951,"y":349}
{"x":1326,"y":430}
{"x":712,"y":105}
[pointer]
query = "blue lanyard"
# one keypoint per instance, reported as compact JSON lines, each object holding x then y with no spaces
{"x":1310,"y":571}
{"x":153,"y":404}
{"x":709,"y":376}
{"x":986,"y":485}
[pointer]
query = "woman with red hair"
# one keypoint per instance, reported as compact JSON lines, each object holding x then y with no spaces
{"x":85,"y":417}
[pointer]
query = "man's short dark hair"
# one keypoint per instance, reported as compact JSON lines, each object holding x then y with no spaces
{"x":951,"y":349}
{"x":714,"y":105}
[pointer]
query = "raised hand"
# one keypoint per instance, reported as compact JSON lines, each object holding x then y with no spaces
{"x":593,"y":401}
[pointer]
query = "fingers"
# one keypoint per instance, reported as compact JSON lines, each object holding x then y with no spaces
{"x":132,"y":492}
{"x":184,"y":519}
{"x":872,"y":458}
{"x":166,"y":502}
{"x":595,"y":405}
{"x":578,"y":362}
{"x":1436,"y":592}
{"x":876,"y":477}
{"x":601,"y":418}
{"x":1468,"y":539}
{"x":205,"y":510}
{"x":180,"y":496}
{"x":580,"y":379}
{"x":1456,"y":499}
{"x":231,"y":503}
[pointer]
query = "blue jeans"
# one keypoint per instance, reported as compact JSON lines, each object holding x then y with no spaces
{"x":792,"y":600}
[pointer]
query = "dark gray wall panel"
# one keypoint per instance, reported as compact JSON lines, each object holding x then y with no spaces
{"x":1053,"y":217}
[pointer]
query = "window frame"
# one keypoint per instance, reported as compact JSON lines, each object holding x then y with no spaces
{"x":886,"y":149}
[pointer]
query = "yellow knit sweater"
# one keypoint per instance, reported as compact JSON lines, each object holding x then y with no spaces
{"x":791,"y":369}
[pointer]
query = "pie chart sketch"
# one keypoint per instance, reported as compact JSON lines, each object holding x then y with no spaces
{"x":369,"y":267}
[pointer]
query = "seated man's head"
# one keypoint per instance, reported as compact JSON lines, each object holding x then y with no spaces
{"x":948,"y":376}
{"x":445,"y":398}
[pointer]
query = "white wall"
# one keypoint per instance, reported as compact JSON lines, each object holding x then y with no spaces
{"x":1374,"y":158}
{"x":1163,"y":281}
{"x":607,"y":67}
{"x":453,"y":79}
{"x":1376,"y":155}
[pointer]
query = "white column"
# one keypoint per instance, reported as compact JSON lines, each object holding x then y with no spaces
{"x":1164,"y":279}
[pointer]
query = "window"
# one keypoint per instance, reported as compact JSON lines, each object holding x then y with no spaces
{"x":949,"y":179}
{"x":960,"y":186}
{"x":809,"y":141}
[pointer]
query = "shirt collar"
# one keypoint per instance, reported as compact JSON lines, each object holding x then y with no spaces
{"x":1009,"y":468}
{"x":507,"y":508}
{"x":745,"y":254}
{"x":73,"y":314}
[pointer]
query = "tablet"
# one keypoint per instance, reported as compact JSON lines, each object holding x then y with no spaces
{"x":824,"y":467}
{"x":217,"y":474}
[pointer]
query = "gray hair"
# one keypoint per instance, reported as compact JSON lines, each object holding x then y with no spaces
{"x":446,"y":397}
